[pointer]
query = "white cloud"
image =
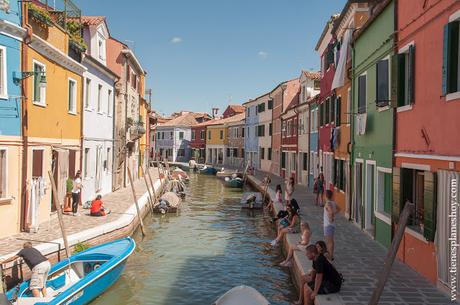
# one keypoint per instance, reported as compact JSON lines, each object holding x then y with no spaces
{"x":262,"y":55}
{"x":176,"y":40}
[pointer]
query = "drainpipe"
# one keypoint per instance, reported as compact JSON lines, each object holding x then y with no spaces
{"x":81,"y":118}
{"x":125,"y":147}
{"x":24,"y":116}
{"x":395,"y":122}
{"x":352,"y":139}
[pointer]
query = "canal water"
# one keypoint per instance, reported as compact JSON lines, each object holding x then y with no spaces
{"x":209,"y":247}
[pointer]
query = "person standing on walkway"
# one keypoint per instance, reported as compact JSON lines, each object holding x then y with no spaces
{"x":76,"y":190}
{"x":330,"y":210}
{"x":38,"y":264}
{"x":289,"y":190}
{"x":318,"y":188}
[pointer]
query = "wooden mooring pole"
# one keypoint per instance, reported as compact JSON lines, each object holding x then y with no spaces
{"x":57,"y":205}
{"x":153,"y":186}
{"x":135,"y":201}
{"x":392,"y":251}
{"x":148,"y":190}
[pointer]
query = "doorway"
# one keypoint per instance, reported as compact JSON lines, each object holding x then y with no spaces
{"x":357,"y":204}
{"x":369,"y":223}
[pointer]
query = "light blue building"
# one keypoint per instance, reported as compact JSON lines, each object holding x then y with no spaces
{"x":252,"y":133}
{"x":314,"y":161}
{"x":12,"y":217}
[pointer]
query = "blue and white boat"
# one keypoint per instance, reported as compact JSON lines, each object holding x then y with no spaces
{"x":207,"y":170}
{"x":81,"y":278}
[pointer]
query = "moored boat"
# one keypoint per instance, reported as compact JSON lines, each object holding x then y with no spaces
{"x":234,"y":182}
{"x":81,"y":278}
{"x":207,"y":170}
{"x":242,"y":295}
{"x":169,"y":203}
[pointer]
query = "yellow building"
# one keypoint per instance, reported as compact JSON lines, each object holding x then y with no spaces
{"x":54,"y":117}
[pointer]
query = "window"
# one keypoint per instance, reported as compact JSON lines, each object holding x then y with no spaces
{"x":109,"y":102}
{"x":101,"y":46}
{"x":86,"y":163}
{"x":383,"y":83}
{"x":88,"y":93}
{"x":242,"y":132}
{"x":332,"y":110}
{"x":202,"y":132}
{"x":312,"y":157}
{"x":99,"y":98}
{"x":242,"y":152}
{"x":181,"y":135}
{"x":270,"y":129}
{"x":262,"y":153}
{"x":134,"y":81}
{"x":283,"y":160}
{"x":269,"y":153}
{"x":72,"y":96}
{"x":270,"y":103}
{"x":228,"y":152}
{"x":321,"y":115}
{"x":235,"y":152}
{"x":39,"y":90}
{"x":180,"y":152}
{"x":327,"y":110}
{"x":209,"y":134}
{"x":338,"y":106}
{"x":406,"y":77}
{"x":261,"y":107}
{"x":3,"y":75}
{"x":3,"y":173}
{"x":349,"y":104}
{"x":339,"y":174}
{"x":193,"y":134}
{"x":362,"y":93}
{"x":450,"y":67}
{"x":305,"y":161}
{"x":163,"y":135}
{"x":261,"y":130}
{"x":384,"y":191}
{"x":221,"y":134}
{"x":316,"y":84}
{"x":171,"y":135}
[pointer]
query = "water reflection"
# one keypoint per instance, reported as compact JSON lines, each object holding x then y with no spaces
{"x":194,"y":257}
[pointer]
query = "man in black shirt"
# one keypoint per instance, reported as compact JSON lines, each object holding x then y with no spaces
{"x":323,"y":279}
{"x":38,"y":264}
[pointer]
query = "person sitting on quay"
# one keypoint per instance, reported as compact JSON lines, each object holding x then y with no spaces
{"x":97,"y":207}
{"x":330,"y":210}
{"x":278,"y":199}
{"x":322,"y":279}
{"x":322,"y":249}
{"x":301,"y":245}
{"x":38,"y":264}
{"x":290,"y":186}
{"x":293,"y":227}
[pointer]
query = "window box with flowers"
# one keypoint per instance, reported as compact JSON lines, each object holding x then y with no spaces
{"x":40,"y":16}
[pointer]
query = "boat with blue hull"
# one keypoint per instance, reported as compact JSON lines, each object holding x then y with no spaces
{"x":206,"y":170}
{"x":81,"y":278}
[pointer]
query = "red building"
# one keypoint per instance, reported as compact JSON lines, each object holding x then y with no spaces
{"x":198,"y":142}
{"x":289,"y":139}
{"x":427,"y":146}
{"x":328,"y":48}
{"x":233,"y":110}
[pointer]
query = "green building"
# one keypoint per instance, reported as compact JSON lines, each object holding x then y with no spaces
{"x":372,"y":127}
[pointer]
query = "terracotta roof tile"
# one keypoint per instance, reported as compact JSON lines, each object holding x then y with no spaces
{"x":92,"y":20}
{"x":312,"y":75}
{"x":187,"y":119}
{"x":237,"y":108}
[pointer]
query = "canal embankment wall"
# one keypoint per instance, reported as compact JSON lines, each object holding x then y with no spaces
{"x":125,"y":225}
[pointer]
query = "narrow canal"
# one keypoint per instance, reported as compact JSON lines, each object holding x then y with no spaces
{"x":194,"y":257}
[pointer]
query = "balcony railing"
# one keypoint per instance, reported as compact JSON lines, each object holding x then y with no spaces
{"x":62,"y":12}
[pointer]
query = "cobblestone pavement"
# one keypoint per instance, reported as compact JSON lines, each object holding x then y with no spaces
{"x":118,"y":202}
{"x":360,"y":259}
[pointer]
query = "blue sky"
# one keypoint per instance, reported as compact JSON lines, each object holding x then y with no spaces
{"x":205,"y":53}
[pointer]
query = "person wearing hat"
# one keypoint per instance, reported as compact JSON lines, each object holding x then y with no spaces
{"x":76,"y":190}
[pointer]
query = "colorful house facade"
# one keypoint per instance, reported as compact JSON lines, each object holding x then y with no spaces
{"x":235,"y":142}
{"x":53,"y":120}
{"x":354,"y":14}
{"x":372,"y":153}
{"x":313,"y":110}
{"x":251,"y":139}
{"x":327,"y":47}
{"x":265,"y":137}
{"x":427,"y":150}
{"x":289,"y":139}
{"x":11,"y":36}
{"x":98,"y":111}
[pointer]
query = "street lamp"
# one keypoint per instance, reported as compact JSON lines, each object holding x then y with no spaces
{"x":18,"y":77}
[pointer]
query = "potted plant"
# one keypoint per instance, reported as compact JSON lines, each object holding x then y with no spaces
{"x":40,"y":15}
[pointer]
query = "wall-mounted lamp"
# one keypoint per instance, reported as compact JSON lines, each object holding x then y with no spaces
{"x":18,"y":77}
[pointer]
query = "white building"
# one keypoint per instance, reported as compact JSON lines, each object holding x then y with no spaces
{"x":265,"y":131}
{"x":174,"y":137}
{"x":98,"y":114}
{"x":309,"y":88}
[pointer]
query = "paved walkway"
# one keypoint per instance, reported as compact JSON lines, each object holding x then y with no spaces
{"x":360,"y":259}
{"x":118,"y":202}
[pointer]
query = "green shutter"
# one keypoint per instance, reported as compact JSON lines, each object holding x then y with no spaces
{"x":452,"y":57}
{"x":387,"y":193}
{"x":411,"y":75}
{"x":444,"y":59}
{"x":401,"y":79}
{"x":429,"y":208}
{"x":396,"y":207}
{"x":338,"y":110}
